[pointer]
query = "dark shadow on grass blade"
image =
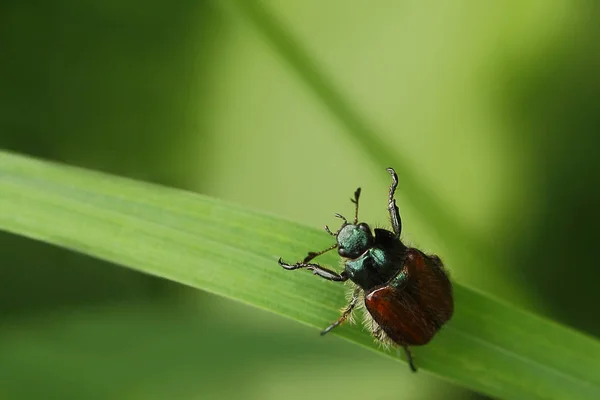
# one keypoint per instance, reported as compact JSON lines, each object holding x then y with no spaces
{"x":446,"y":225}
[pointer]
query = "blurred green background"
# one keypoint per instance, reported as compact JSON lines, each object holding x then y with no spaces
{"x":491,"y":107}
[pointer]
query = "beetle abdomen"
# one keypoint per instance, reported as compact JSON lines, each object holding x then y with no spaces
{"x":411,"y":312}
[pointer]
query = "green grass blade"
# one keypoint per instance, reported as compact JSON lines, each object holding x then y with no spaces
{"x":225,"y":249}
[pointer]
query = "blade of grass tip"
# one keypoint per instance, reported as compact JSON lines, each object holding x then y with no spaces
{"x":488,"y":346}
{"x":447,"y":226}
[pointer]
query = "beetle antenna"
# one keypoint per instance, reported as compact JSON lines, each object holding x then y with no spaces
{"x":355,"y":201}
{"x":340,"y":216}
{"x":334,"y":234}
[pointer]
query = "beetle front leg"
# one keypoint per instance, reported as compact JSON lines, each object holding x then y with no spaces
{"x":314,"y":254}
{"x":317,"y":270}
{"x":392,"y":207}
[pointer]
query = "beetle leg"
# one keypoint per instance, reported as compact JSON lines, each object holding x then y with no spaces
{"x":409,"y":358}
{"x":392,"y":207}
{"x":346,"y":313}
{"x":317,"y":270}
{"x":314,"y":254}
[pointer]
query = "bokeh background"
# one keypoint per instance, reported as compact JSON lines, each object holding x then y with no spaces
{"x":491,"y":107}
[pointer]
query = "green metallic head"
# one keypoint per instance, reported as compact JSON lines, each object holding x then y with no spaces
{"x":354,"y":240}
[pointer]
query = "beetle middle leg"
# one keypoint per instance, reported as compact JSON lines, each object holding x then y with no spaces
{"x":346,"y":313}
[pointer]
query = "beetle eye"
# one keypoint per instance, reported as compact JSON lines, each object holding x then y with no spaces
{"x":364,"y":227}
{"x":342,"y":252}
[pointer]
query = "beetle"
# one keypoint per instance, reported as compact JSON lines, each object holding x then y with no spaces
{"x":406,"y":294}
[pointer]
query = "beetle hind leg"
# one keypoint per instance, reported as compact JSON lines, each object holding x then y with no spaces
{"x":409,"y":359}
{"x":384,"y":340}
